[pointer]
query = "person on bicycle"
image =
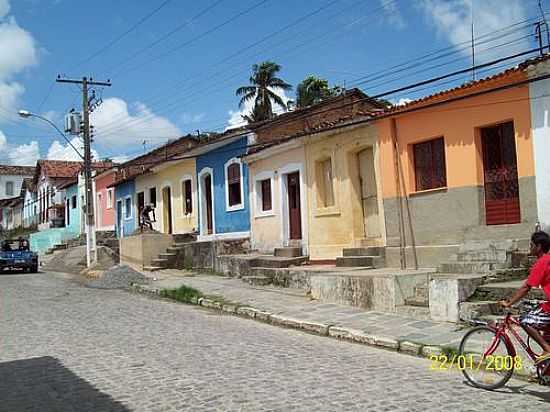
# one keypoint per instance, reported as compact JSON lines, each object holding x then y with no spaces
{"x":539,"y":276}
{"x":146,"y":220}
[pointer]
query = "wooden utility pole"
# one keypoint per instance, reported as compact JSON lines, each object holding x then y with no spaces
{"x":90,"y":222}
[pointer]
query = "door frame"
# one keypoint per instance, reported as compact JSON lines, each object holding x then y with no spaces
{"x":372,"y":148}
{"x":164,"y":186}
{"x":203,"y":222}
{"x":283,"y":201}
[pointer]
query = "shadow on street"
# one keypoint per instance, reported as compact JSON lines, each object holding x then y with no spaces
{"x":44,"y":384}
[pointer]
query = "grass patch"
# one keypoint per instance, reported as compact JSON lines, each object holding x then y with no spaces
{"x":184,"y":294}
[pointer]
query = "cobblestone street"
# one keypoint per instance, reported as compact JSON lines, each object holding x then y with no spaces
{"x":65,"y":347}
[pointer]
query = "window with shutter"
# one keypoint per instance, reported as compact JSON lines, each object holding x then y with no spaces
{"x":429,"y":164}
{"x":266,"y":194}
{"x":234,"y":184}
{"x":187,"y":197}
{"x":325,"y":186}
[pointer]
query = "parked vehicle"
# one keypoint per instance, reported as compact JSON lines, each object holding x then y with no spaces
{"x":16,"y":254}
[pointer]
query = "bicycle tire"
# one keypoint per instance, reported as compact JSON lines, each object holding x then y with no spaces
{"x":504,"y":377}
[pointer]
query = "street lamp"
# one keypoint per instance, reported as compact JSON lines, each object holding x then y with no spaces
{"x":90,"y":230}
{"x":25,"y":114}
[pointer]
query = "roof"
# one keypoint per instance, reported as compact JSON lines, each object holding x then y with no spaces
{"x":17,"y":170}
{"x":475,"y":84}
{"x":57,"y":169}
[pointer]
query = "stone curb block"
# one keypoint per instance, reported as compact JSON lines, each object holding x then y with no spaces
{"x":263,"y":316}
{"x":386,"y":342}
{"x":313,"y":327}
{"x":246,"y":311}
{"x":410,"y":348}
{"x":211,"y":304}
{"x":229,"y":308}
{"x":428,"y":351}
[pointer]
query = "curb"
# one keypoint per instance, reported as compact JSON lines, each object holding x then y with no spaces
{"x":328,"y":330}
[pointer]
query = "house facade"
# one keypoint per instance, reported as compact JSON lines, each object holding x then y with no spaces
{"x":223,"y":190}
{"x":30,"y":206}
{"x":457,"y":168}
{"x":172,"y":189}
{"x":104,"y":196}
{"x":73,"y":207}
{"x":318,"y":189}
{"x":125,"y":210}
{"x":11,"y":179}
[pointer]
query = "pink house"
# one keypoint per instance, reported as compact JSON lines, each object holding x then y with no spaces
{"x":104,"y":200}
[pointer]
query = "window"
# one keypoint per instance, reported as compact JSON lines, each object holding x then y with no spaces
{"x":128,"y":208}
{"x":324,"y":183}
{"x":73,"y":202}
{"x":9,"y":188}
{"x":429,"y":164}
{"x":153,"y":196}
{"x":99,"y":204}
{"x":265,"y":190}
{"x":109,"y":198}
{"x":233,"y":184}
{"x":187,"y":191}
{"x":68,"y":213}
{"x":140,"y":202}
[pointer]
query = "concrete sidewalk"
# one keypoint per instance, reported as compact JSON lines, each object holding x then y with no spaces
{"x":293,"y":308}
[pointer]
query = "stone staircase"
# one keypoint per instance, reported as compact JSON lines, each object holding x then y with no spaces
{"x":367,"y":257}
{"x":170,"y":258}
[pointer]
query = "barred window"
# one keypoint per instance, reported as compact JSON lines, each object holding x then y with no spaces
{"x":429,"y":164}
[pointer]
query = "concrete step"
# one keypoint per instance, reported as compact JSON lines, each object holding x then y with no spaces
{"x":363,"y":251}
{"x":507,"y":275}
{"x":162,"y":263}
{"x":170,"y":257}
{"x":360,"y":261}
{"x":504,"y":290}
{"x":522,"y":259}
{"x":277,"y":262}
{"x":470,"y":311}
{"x":417,"y":312}
{"x":483,"y":255}
{"x":417,"y":302}
{"x":257,"y":280}
{"x":470,"y":267}
{"x":152,"y":268}
{"x":288,"y":252}
{"x":185,"y":237}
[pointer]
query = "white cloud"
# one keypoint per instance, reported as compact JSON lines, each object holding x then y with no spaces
{"x":59,"y":151}
{"x":189,"y":118}
{"x":4,"y":8}
{"x":400,"y":102}
{"x":116,"y":126}
{"x":25,"y":154}
{"x":452,"y":19}
{"x":21,"y":155}
{"x":236,"y":116}
{"x":393,"y":14}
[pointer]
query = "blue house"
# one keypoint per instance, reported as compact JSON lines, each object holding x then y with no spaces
{"x":125,"y":212}
{"x":223,"y":188}
{"x":73,"y":210}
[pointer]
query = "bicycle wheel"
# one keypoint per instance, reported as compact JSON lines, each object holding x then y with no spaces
{"x":484,"y":355}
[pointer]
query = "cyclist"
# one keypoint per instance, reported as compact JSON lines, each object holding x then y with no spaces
{"x":146,"y":217}
{"x":538,"y":276}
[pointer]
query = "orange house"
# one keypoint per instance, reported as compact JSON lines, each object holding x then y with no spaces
{"x":457,"y":168}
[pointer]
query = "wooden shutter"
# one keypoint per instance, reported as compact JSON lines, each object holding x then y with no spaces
{"x":266,"y":194}
{"x":234,"y":184}
{"x":429,"y":165}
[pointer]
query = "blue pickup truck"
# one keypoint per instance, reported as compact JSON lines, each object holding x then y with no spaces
{"x":15,"y":254}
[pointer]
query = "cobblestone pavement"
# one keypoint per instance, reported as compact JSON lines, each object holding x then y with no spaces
{"x":64,"y":347}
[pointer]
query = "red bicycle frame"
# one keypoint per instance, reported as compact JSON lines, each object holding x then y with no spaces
{"x":501,"y":329}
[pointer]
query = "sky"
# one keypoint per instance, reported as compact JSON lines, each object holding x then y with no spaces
{"x":175,"y":64}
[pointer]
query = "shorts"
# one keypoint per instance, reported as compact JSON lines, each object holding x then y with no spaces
{"x":537,"y":318}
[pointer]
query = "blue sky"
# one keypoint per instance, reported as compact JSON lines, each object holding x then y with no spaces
{"x":177,"y":71}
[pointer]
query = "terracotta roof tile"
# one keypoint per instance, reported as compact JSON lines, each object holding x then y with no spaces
{"x":17,"y":170}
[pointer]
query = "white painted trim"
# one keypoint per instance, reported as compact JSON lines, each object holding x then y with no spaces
{"x":283,"y":198}
{"x":202,"y":202}
{"x":131,"y":208}
{"x":163,"y":186}
{"x":224,"y":236}
{"x":120,"y":219}
{"x":257,"y":196}
{"x":112,"y":192}
{"x":193,"y":195}
{"x":240,"y":206}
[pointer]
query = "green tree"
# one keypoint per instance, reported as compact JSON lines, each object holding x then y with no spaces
{"x":263,"y":82}
{"x":312,"y":90}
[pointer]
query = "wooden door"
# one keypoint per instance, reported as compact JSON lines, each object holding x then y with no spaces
{"x":294,"y":210}
{"x":208,"y":200}
{"x":500,"y":175}
{"x":167,"y":210}
{"x":369,"y":193}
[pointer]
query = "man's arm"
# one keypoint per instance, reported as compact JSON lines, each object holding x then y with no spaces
{"x":520,"y":293}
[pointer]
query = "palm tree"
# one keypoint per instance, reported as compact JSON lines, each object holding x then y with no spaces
{"x":312,"y":90}
{"x":263,"y":82}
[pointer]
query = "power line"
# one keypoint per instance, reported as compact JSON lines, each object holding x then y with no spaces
{"x":124,"y":34}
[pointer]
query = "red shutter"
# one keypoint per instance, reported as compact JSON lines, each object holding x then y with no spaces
{"x":429,"y":164}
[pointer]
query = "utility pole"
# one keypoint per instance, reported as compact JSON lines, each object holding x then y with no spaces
{"x":90,"y":223}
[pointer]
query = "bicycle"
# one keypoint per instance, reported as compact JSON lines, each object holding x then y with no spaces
{"x":489,"y":356}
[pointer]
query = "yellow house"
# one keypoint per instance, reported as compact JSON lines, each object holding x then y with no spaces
{"x":171,"y":188}
{"x":320,"y":191}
